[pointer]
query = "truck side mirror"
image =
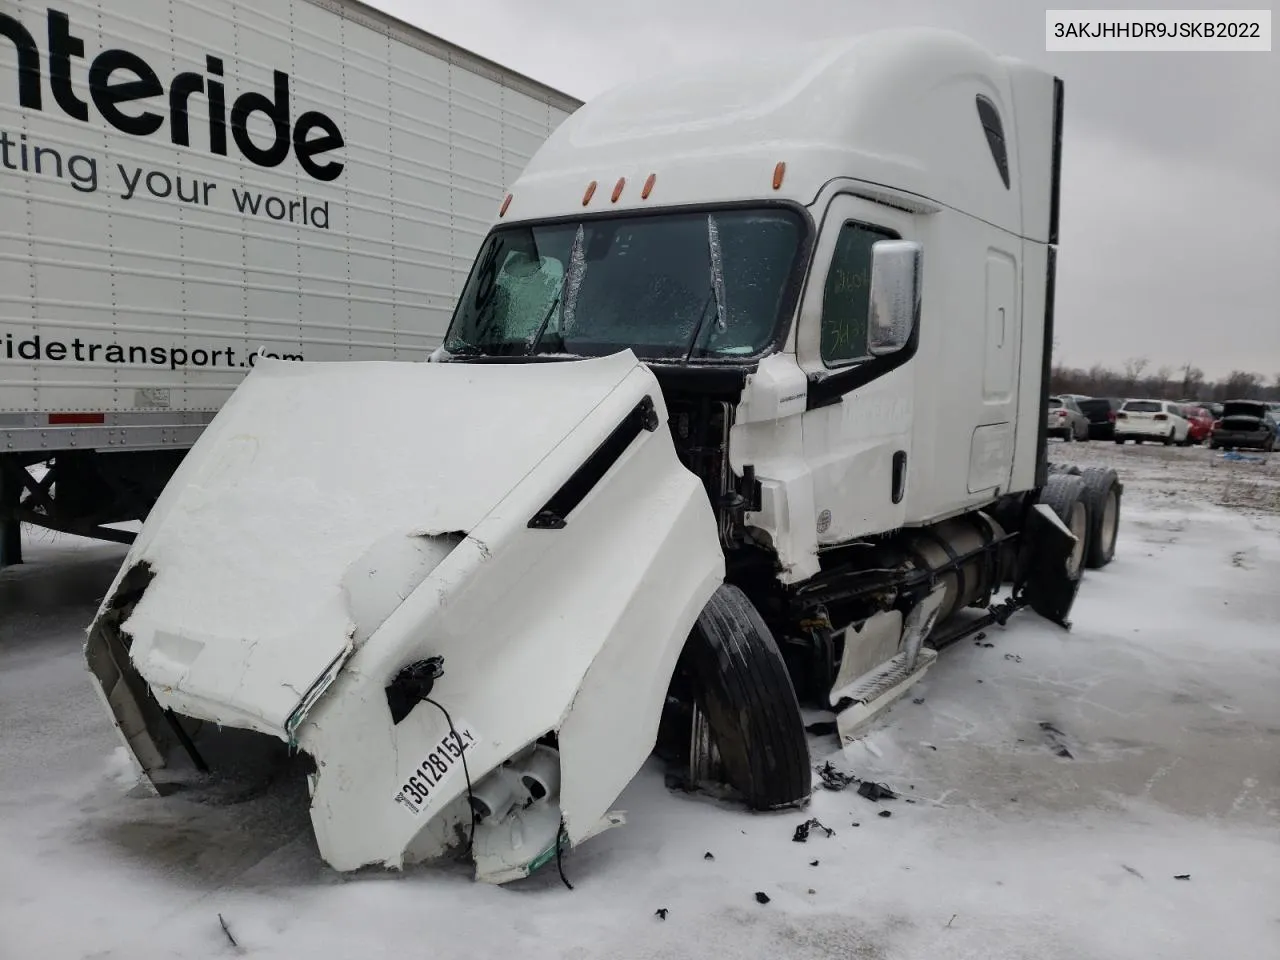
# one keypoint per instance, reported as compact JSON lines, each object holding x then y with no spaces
{"x":895,"y":295}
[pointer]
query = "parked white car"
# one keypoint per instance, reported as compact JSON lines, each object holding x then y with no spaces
{"x":1162,"y":420}
{"x":1066,"y":420}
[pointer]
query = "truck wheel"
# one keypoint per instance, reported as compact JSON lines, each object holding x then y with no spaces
{"x":1102,"y":494}
{"x":1053,"y":578}
{"x":742,"y":686}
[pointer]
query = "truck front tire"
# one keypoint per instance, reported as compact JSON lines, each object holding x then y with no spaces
{"x":742,"y":685}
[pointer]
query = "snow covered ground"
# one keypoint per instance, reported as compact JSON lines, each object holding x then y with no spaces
{"x":1165,"y":696}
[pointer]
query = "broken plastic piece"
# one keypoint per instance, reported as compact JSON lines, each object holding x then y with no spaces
{"x":761,"y":897}
{"x":661,"y":913}
{"x":412,"y":685}
{"x":813,"y":863}
{"x":875,"y":791}
{"x":708,"y":856}
{"x":886,"y":813}
{"x":1182,"y":876}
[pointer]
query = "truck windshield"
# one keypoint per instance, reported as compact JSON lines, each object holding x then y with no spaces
{"x":673,"y":285}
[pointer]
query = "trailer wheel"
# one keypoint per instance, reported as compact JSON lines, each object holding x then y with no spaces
{"x":1054,"y":569}
{"x":1102,"y":491}
{"x":743,"y":687}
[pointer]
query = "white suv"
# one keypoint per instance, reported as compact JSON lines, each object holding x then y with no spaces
{"x":1139,"y":420}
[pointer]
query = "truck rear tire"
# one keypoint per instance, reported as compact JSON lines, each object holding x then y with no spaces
{"x":1052,"y":584}
{"x":743,"y":687}
{"x":1102,"y":493}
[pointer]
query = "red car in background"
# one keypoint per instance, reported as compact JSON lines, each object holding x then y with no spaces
{"x":1201,"y":421}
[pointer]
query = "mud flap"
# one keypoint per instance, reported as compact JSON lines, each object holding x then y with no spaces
{"x":1050,"y":589}
{"x":858,"y":703}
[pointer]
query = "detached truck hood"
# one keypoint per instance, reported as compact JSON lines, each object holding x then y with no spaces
{"x":528,"y":523}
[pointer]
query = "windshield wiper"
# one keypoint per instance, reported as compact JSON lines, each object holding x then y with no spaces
{"x":697,"y":327}
{"x":569,"y":284}
{"x":542,"y":327}
{"x":717,"y":286}
{"x":717,"y":271}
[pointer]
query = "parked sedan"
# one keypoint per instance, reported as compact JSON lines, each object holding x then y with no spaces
{"x":1214,"y":408}
{"x":1244,"y":423}
{"x":1065,"y":419}
{"x":1157,"y":420}
{"x":1201,"y":421}
{"x":1101,"y":414}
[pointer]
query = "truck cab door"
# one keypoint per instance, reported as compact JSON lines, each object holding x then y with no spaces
{"x":857,"y":333}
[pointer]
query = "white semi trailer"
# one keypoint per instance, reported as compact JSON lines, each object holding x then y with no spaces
{"x":185,"y":185}
{"x":741,"y":406}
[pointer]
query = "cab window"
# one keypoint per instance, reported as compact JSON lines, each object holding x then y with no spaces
{"x":846,"y":300}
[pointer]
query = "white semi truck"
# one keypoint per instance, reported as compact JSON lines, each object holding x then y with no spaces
{"x":740,"y":408}
{"x":184,"y":186}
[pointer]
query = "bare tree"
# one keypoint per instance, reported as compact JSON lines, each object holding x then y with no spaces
{"x":1192,"y":381}
{"x":1133,"y":368}
{"x":1241,"y":385}
{"x":1158,"y":383}
{"x":1101,"y":381}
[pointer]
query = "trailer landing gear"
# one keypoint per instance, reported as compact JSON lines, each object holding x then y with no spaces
{"x":10,"y":525}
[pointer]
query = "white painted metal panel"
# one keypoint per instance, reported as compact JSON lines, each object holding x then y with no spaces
{"x":151,"y":272}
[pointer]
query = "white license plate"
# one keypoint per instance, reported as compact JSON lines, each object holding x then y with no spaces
{"x":437,"y":768}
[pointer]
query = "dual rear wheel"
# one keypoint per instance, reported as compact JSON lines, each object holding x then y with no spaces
{"x":1088,"y":504}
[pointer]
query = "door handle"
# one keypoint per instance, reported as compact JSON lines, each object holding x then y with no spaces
{"x":899,"y":475}
{"x":1001,"y":328}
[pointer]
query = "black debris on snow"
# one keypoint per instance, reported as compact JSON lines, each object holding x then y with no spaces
{"x":802,"y":832}
{"x":875,"y":791}
{"x":834,"y":779}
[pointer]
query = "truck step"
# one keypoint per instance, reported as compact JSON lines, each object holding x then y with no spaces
{"x":863,"y":700}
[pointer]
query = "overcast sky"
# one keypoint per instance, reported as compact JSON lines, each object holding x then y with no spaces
{"x":1170,"y":245}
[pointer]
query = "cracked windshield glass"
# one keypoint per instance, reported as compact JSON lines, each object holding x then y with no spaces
{"x":697,"y":285}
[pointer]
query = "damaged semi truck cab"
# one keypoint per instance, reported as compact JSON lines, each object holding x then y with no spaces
{"x":838,"y":262}
{"x":740,"y":408}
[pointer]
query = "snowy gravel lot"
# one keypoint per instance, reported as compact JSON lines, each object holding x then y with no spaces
{"x":1165,"y":695}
